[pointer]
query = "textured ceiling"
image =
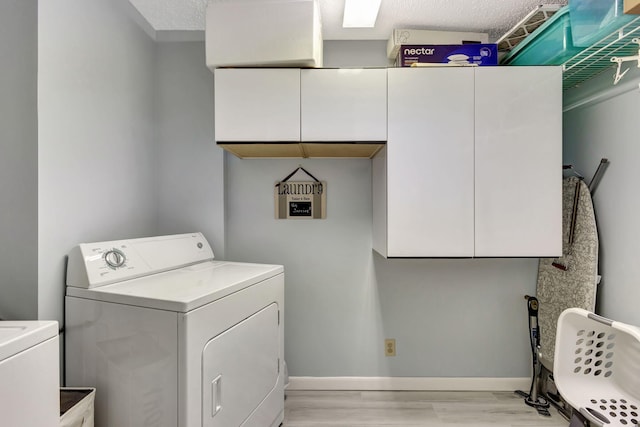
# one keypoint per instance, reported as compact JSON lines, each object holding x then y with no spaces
{"x":492,"y":16}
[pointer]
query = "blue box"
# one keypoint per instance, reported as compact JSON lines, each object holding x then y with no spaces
{"x":460,"y":54}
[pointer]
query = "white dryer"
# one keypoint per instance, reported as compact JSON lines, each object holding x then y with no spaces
{"x":170,"y":337}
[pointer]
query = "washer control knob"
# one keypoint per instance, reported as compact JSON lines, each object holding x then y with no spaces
{"x":115,"y":258}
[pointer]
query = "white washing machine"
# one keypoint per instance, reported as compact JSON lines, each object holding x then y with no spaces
{"x":170,"y":337}
{"x":29,"y":374}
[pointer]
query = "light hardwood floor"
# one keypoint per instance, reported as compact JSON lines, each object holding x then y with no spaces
{"x":412,"y":408}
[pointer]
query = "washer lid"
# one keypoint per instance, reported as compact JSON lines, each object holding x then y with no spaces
{"x":184,"y":289}
{"x":17,"y":336}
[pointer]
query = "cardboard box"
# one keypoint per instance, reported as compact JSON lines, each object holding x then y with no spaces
{"x":632,"y":7}
{"x":468,"y":54}
{"x":255,"y":33}
{"x":400,"y":37}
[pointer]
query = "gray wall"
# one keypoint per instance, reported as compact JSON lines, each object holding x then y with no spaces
{"x":18,"y":160}
{"x":450,"y":317}
{"x":189,"y":174}
{"x":95,"y":123}
{"x":125,"y":149}
{"x":610,"y":129}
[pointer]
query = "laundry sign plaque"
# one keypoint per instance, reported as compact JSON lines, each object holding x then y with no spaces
{"x":300,"y":199}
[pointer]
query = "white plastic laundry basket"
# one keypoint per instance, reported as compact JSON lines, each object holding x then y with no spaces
{"x":597,"y":367}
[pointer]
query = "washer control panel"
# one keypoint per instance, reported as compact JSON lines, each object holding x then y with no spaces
{"x":92,"y":265}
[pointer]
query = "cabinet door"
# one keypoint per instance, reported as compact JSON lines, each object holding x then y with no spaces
{"x":430,"y":162}
{"x":518,"y":161}
{"x":344,"y":104}
{"x":257,"y":105}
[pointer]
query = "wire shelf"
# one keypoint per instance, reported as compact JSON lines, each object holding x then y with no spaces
{"x":597,"y":58}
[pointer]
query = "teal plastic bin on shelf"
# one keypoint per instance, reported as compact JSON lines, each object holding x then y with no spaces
{"x":568,"y":32}
{"x":591,"y":20}
{"x":550,"y":44}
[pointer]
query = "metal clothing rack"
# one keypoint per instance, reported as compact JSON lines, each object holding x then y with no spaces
{"x":620,"y":60}
{"x":599,"y":56}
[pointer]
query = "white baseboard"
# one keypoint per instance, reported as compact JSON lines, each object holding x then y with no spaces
{"x":409,"y":383}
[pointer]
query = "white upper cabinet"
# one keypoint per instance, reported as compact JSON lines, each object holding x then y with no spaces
{"x":343,"y":105}
{"x":472,"y":165}
{"x":429,"y":153}
{"x":518,"y":152}
{"x":287,"y":105}
{"x":257,"y":105}
{"x":473,"y":156}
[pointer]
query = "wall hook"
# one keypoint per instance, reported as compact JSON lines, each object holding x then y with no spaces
{"x":620,"y":59}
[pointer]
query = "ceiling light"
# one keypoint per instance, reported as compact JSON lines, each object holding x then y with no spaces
{"x":360,"y":13}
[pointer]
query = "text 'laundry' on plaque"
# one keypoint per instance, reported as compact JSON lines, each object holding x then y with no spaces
{"x":300,"y":199}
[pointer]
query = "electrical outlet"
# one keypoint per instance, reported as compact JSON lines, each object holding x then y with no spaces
{"x":390,"y":347}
